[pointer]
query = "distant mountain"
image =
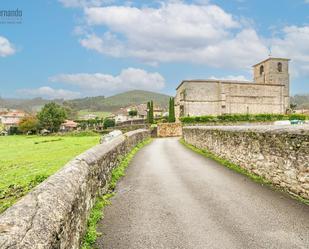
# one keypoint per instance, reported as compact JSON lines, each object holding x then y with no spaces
{"x":113,"y":103}
{"x":99,"y":103}
{"x":301,"y":101}
{"x":28,"y":105}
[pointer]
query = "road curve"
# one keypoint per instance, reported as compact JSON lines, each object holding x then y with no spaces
{"x":173,"y":198}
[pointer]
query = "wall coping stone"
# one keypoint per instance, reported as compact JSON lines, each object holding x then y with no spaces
{"x":292,"y":129}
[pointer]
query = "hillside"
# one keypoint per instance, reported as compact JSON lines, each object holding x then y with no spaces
{"x":28,"y":105}
{"x":113,"y":103}
{"x":301,"y":101}
{"x":99,"y":103}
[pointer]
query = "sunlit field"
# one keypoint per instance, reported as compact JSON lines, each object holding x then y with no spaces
{"x":25,"y":161}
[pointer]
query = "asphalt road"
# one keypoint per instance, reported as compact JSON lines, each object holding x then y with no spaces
{"x":173,"y":198}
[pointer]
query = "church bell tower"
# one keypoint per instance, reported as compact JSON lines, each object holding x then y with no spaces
{"x":274,"y":71}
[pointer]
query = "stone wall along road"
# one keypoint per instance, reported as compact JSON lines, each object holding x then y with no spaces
{"x":54,"y":214}
{"x":278,"y":153}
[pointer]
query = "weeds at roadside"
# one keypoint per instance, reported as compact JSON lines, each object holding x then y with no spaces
{"x":101,"y":202}
{"x":240,"y":170}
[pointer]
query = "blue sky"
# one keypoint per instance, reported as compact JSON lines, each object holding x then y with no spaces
{"x":76,"y":48}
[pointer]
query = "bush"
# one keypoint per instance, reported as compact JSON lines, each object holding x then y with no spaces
{"x":28,"y":124}
{"x":242,"y":118}
{"x":108,"y":123}
{"x":88,"y":133}
{"x":51,"y":117}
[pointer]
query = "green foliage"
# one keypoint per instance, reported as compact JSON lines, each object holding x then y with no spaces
{"x":87,"y":133}
{"x":119,"y":172}
{"x":108,"y":122}
{"x":132,"y":113}
{"x":29,"y":124}
{"x":101,"y":202}
{"x":95,"y":216}
{"x":70,"y":112}
{"x":26,"y":161}
{"x":2,"y":127}
{"x":171,"y":113}
{"x":150,"y":118}
{"x":114,"y":103}
{"x":13,"y":130}
{"x":90,"y":123}
{"x":225,"y":163}
{"x":242,"y":118}
{"x":51,"y":117}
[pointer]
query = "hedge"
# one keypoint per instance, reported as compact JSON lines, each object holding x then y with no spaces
{"x":243,"y":117}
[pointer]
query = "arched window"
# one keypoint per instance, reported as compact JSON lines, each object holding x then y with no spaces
{"x":261,"y":70}
{"x":279,"y":66}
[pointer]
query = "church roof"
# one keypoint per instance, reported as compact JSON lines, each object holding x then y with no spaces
{"x":272,"y":58}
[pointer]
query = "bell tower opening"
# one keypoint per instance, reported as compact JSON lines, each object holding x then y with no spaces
{"x":274,"y":71}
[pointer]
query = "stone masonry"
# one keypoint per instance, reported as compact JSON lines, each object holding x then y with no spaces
{"x":169,"y":130}
{"x":268,"y":93}
{"x":54,"y":214}
{"x":279,"y":154}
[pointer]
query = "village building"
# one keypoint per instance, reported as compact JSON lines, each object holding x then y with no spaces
{"x":68,"y":125}
{"x":123,"y":114}
{"x":11,"y":118}
{"x":268,"y":93}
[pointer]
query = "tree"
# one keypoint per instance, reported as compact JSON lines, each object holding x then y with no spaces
{"x":2,"y":127}
{"x":171,"y":113}
{"x":132,"y":113}
{"x":51,"y":117}
{"x":71,"y":112}
{"x":29,"y":124}
{"x":150,"y":112}
{"x":108,"y":122}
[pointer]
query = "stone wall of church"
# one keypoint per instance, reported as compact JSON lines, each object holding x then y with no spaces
{"x":224,"y":97}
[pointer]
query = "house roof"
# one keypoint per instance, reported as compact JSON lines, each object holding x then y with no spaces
{"x":70,"y":124}
{"x":215,"y":81}
{"x":272,"y":58}
{"x":10,"y":121}
{"x":15,"y":114}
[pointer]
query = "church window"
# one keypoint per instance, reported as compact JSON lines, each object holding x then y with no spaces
{"x":261,"y":70}
{"x":279,"y":67}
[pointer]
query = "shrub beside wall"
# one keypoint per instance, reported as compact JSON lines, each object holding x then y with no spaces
{"x":242,"y":118}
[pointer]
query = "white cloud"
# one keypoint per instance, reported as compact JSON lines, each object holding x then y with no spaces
{"x":128,"y":79}
{"x":83,"y":3}
{"x":6,"y":48}
{"x":230,"y":77}
{"x":294,"y":45}
{"x":175,"y":31}
{"x":50,"y":93}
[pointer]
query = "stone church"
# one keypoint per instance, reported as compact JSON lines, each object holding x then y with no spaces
{"x":268,"y":93}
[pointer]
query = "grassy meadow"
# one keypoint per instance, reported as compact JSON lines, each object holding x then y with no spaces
{"x":26,"y":161}
{"x":81,"y":113}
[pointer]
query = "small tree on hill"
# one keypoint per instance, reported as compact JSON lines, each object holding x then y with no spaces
{"x":29,"y":124}
{"x":171,"y":113}
{"x":132,"y":113}
{"x":108,"y":122}
{"x":150,"y":112}
{"x":51,"y":117}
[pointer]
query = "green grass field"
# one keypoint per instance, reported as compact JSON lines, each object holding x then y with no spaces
{"x":81,"y":113}
{"x":25,"y":161}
